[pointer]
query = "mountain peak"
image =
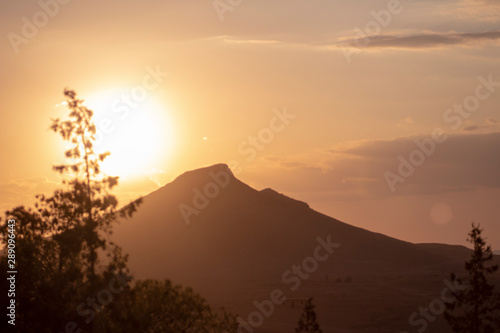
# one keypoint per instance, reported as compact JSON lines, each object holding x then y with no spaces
{"x":205,"y":174}
{"x":215,"y":168}
{"x":221,"y":175}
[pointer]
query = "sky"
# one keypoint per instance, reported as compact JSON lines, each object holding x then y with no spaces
{"x":383,"y":114}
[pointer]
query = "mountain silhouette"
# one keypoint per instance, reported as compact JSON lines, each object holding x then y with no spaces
{"x":245,"y":233}
{"x":234,"y":244}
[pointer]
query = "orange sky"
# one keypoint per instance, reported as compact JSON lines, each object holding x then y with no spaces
{"x":316,"y":99}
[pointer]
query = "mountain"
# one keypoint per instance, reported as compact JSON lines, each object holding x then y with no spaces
{"x":232,"y":243}
{"x":207,"y":223}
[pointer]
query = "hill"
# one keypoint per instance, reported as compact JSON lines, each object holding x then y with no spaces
{"x":235,"y":244}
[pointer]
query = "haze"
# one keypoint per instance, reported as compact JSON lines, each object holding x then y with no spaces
{"x":288,"y":93}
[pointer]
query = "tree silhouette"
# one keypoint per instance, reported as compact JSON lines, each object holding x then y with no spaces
{"x":476,"y":308}
{"x":160,"y":307}
{"x":307,"y":322}
{"x":58,"y":242}
{"x":65,"y":258}
{"x":96,"y":208}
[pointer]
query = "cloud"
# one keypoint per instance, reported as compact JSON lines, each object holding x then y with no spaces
{"x":283,"y":162}
{"x":489,"y":125}
{"x":417,"y":41}
{"x":63,"y":103}
{"x":482,"y":10}
{"x":487,"y":2}
{"x":233,"y":40}
{"x":463,"y":162}
{"x":158,"y":176}
{"x":425,"y":40}
{"x":406,"y":122}
{"x":471,"y":128}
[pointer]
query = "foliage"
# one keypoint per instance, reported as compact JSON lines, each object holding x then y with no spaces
{"x":87,"y":208}
{"x":154,"y":306}
{"x":58,"y":242}
{"x":65,"y":259}
{"x":307,"y":322}
{"x":476,"y":308}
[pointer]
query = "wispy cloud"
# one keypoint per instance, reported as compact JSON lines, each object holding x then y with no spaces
{"x":235,"y":40}
{"x":429,"y":39}
{"x":426,"y":40}
{"x":489,"y":125}
{"x":158,"y":176}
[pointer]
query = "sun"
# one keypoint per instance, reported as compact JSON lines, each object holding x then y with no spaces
{"x":138,"y":134}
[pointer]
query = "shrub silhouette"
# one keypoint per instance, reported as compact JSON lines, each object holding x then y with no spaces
{"x":307,"y":322}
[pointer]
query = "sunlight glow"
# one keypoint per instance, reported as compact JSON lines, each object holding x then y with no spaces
{"x":138,"y":134}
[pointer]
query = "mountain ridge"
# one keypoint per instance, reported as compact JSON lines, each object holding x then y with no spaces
{"x":211,"y":198}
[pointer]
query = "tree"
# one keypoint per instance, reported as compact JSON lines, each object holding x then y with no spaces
{"x":96,"y":208}
{"x":153,"y":306}
{"x":474,"y":309}
{"x":307,"y":322}
{"x":67,"y":264}
{"x":58,"y":243}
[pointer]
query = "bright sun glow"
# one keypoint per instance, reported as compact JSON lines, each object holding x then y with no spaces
{"x":138,"y":134}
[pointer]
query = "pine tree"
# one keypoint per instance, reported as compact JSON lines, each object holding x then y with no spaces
{"x":475,"y":309}
{"x":307,"y":322}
